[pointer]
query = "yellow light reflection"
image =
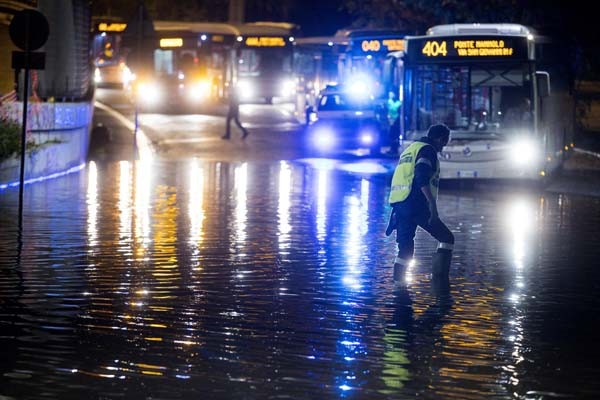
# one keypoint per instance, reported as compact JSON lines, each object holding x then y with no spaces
{"x":165,"y":218}
{"x":92,"y":205}
{"x":143,"y":184}
{"x":196,"y":204}
{"x":241,"y":207}
{"x":124,"y":201}
{"x":284,"y":205}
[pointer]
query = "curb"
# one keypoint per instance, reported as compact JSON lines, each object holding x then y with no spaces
{"x":587,"y":152}
{"x":142,"y":141}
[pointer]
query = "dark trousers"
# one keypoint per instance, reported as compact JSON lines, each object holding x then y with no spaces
{"x":408,"y":220}
{"x":236,"y":119}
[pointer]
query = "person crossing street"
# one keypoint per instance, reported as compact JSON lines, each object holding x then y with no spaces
{"x":234,"y":114}
{"x":413,"y":198}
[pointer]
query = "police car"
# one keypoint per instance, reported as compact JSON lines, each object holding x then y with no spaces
{"x":344,"y":118}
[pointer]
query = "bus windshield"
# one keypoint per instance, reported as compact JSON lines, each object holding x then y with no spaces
{"x":473,"y":99}
{"x":265,"y":62}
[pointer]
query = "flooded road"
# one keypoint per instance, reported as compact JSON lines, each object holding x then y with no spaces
{"x":202,"y":279}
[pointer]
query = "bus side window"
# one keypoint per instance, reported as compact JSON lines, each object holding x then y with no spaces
{"x":425,"y":119}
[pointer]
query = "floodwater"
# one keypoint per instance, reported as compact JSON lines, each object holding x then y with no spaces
{"x":259,"y":280}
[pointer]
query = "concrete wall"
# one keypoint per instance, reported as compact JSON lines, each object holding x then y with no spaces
{"x":67,"y":123}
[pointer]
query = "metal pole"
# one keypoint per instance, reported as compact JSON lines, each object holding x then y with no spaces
{"x":23,"y":144}
{"x":24,"y":125}
{"x":138,"y":67}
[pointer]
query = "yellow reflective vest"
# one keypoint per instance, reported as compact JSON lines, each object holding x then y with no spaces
{"x":404,"y":174}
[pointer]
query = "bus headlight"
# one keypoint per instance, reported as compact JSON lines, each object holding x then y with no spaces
{"x":288,"y":87}
{"x":127,"y":75}
{"x":149,"y":92}
{"x":524,"y":152}
{"x":245,"y":89}
{"x":199,"y":90}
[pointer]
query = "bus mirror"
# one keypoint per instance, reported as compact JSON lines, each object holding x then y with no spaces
{"x":543,"y":83}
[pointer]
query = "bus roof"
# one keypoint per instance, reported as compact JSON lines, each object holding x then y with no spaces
{"x":268,"y":28}
{"x":197,"y":27}
{"x":253,"y":28}
{"x":369,"y":33}
{"x":479,"y":29}
{"x":323,"y":40}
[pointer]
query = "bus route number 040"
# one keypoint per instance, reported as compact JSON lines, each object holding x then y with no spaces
{"x":434,"y":49}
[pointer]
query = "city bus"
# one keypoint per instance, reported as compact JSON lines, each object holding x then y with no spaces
{"x":110,"y":69}
{"x":354,"y":58}
{"x":191,"y":65}
{"x":509,"y":117}
{"x":264,"y":61}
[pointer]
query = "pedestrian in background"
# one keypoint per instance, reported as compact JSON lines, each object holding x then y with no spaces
{"x":234,"y":114}
{"x":393,"y":113}
{"x":413,"y":198}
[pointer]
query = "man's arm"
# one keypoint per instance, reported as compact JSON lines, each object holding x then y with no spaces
{"x":432,"y":203}
{"x":423,"y":171}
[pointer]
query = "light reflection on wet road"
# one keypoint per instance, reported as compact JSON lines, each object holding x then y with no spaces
{"x":192,"y":279}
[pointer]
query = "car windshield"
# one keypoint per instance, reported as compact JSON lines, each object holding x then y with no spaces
{"x":340,"y":102}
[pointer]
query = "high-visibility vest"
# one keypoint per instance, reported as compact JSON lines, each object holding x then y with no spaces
{"x":405,"y":173}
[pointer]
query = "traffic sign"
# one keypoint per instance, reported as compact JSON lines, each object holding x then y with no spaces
{"x":29,"y":30}
{"x":26,"y":59}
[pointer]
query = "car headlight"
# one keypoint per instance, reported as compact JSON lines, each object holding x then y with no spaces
{"x":97,"y":76}
{"x":323,"y":138}
{"x":524,"y":152}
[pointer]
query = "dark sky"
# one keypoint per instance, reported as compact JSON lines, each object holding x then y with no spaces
{"x":316,"y":17}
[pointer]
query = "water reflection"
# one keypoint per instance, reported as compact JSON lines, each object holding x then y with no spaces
{"x":270,"y":280}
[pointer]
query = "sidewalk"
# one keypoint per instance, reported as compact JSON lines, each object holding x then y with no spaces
{"x":580,"y":174}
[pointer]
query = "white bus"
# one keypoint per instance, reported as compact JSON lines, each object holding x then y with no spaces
{"x":264,"y":57}
{"x":485,"y":82}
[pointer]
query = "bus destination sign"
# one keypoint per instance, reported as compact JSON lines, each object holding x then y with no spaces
{"x":385,"y":45}
{"x":265,"y":41}
{"x":463,"y":47}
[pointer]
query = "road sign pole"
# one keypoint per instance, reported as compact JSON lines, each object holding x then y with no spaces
{"x":23,"y":142}
{"x":29,"y":31}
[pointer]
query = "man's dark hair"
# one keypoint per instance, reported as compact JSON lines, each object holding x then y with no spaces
{"x":438,"y":131}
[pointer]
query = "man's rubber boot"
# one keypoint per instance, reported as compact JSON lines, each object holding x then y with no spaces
{"x":400,"y":265}
{"x":399,"y":272}
{"x":441,"y":264}
{"x":392,"y":224}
